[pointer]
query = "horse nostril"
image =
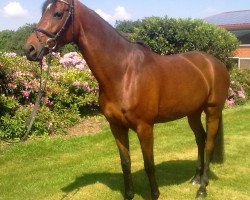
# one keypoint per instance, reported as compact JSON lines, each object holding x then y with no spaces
{"x":31,"y":48}
{"x":31,"y":52}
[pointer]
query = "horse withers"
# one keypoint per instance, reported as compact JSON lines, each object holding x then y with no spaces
{"x":138,"y":87}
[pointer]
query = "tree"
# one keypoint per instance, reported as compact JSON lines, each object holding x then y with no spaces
{"x":21,"y":36}
{"x":127,"y":26}
{"x":13,"y":41}
{"x":6,"y":38}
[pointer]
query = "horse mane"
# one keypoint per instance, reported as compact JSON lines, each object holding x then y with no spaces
{"x":125,"y":36}
{"x":142,"y":43}
{"x":46,"y":4}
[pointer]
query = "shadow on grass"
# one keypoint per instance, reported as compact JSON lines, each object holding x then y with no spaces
{"x":167,"y":173}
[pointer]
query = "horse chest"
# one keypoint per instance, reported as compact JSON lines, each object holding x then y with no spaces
{"x":111,"y":109}
{"x":116,"y":115}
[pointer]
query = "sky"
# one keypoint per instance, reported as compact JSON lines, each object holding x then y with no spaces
{"x":16,"y":13}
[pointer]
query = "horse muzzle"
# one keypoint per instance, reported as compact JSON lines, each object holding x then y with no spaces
{"x":33,"y":53}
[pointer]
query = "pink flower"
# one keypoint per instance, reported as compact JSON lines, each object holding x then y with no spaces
{"x":31,"y":105}
{"x":26,"y":94}
{"x":241,"y":93}
{"x":90,"y":102}
{"x":56,"y":54}
{"x":86,"y":87}
{"x":45,"y":66}
{"x":80,"y":66}
{"x":77,"y":83}
{"x":230,"y":102}
{"x":10,"y":55}
{"x":11,"y":86}
{"x":47,"y":101}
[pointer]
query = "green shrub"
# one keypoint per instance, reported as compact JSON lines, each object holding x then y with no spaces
{"x":127,"y":26}
{"x":170,"y":36}
{"x":12,"y":127}
{"x":46,"y":122}
{"x":8,"y":105}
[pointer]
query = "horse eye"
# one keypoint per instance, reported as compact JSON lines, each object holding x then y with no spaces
{"x":58,"y":15}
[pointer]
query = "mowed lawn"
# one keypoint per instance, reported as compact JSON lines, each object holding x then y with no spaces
{"x":88,"y":167}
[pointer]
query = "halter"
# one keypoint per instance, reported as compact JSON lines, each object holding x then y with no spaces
{"x":53,"y":37}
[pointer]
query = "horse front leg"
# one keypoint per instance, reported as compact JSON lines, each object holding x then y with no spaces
{"x":145,"y":135}
{"x":121,"y":136}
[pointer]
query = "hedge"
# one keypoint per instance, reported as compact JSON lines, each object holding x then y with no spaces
{"x":168,"y":36}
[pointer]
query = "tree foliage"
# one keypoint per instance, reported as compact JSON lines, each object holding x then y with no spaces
{"x":170,"y":36}
{"x":127,"y":26}
{"x":6,"y":42}
{"x":13,"y":41}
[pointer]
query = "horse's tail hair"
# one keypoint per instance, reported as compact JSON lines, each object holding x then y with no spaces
{"x":218,"y":154}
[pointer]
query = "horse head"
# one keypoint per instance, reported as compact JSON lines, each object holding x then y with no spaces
{"x":55,"y":28}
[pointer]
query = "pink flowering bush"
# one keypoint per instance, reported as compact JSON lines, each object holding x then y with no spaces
{"x":236,"y":94}
{"x":239,"y":91}
{"x":73,"y":59}
{"x":71,"y":92}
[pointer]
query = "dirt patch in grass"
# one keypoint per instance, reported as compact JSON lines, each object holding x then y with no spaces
{"x":87,"y":126}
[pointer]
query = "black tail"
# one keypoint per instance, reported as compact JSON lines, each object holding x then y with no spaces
{"x":218,"y":155}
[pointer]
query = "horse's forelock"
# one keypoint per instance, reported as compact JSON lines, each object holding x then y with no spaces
{"x":46,"y":4}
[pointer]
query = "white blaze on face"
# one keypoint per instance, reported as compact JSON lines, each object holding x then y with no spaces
{"x":49,"y":6}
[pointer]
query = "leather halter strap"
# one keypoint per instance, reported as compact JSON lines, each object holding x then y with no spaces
{"x":53,"y":37}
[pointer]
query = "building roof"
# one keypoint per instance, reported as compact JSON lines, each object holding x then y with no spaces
{"x":231,"y":20}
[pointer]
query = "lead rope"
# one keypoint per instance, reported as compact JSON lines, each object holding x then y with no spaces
{"x":42,"y":87}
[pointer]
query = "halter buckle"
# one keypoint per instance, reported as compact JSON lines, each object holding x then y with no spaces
{"x":51,"y":44}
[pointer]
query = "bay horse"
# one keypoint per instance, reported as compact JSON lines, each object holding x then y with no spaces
{"x":138,"y":87}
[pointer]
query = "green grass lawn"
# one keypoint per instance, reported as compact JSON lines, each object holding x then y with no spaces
{"x":88,"y":167}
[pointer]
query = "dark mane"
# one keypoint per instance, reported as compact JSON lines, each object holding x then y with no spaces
{"x":142,"y":43}
{"x":46,"y":3}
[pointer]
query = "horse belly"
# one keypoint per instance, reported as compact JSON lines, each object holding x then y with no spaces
{"x":182,"y":100}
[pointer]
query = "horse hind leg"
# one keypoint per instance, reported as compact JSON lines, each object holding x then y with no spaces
{"x":200,"y":137}
{"x":213,"y":116}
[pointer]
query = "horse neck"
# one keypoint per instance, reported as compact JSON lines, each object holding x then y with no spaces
{"x":103,"y":48}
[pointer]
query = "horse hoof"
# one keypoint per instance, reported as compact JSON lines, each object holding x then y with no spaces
{"x":129,"y":196}
{"x":155,"y":195}
{"x":201,"y":193}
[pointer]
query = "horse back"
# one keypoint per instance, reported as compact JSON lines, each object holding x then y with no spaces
{"x":186,"y":83}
